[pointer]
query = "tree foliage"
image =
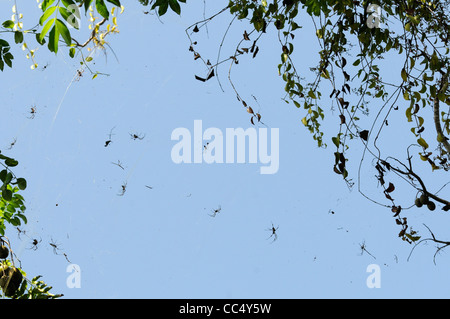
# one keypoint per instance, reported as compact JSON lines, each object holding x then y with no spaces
{"x":358,"y":40}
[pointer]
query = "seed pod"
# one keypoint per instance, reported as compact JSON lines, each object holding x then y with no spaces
{"x":4,"y":252}
{"x":10,"y":280}
{"x":418,"y":203}
{"x":423,"y":199}
{"x":431,"y":205}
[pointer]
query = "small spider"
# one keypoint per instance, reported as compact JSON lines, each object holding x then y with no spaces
{"x":109,"y":137}
{"x":124,"y":189}
{"x":119,"y":164}
{"x":215,"y":211}
{"x":54,"y":246}
{"x":274,"y":232}
{"x":363,"y":249}
{"x":79,"y":74}
{"x":12,"y":144}
{"x":135,"y":136}
{"x":45,"y":67}
{"x":32,"y":112}
{"x":34,"y":244}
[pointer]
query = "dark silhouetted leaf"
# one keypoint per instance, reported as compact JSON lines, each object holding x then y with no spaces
{"x":390,"y":188}
{"x":211,"y":74}
{"x":364,"y":135}
{"x":256,"y":52}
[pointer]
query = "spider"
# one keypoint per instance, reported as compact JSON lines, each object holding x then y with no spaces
{"x":45,"y":67}
{"x":274,"y":234}
{"x":109,"y":137}
{"x":32,"y":112}
{"x":119,"y":163}
{"x":54,"y":246}
{"x":79,"y":74}
{"x":124,"y":189}
{"x":34,"y":244}
{"x":363,"y":249}
{"x":135,"y":136}
{"x":215,"y":211}
{"x":12,"y":144}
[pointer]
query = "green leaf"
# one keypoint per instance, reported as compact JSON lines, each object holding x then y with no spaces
{"x":8,"y":24}
{"x":53,"y":39}
{"x":18,"y":37}
{"x":312,"y":95}
{"x":175,"y":6}
{"x":163,"y":8}
{"x":46,"y":15}
{"x":4,"y":43}
{"x":440,"y":138}
{"x":3,"y":174}
{"x":7,"y":58}
{"x":422,"y":143}
{"x":64,"y":31}
{"x":11,"y":162}
{"x":404,"y":75}
{"x":10,"y":208}
{"x":22,"y":183}
{"x":7,"y":195}
{"x":8,"y":178}
{"x":115,"y":2}
{"x":412,"y":238}
{"x":87,"y":3}
{"x":23,"y":218}
{"x":421,"y":120}
{"x":45,"y":29}
{"x":70,"y":17}
{"x":72,"y":52}
{"x":68,"y":3}
{"x":46,"y":4}
{"x":408,"y":114}
{"x":336,"y":141}
{"x":102,"y":9}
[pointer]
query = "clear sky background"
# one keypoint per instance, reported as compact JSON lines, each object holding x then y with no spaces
{"x":162,"y":242}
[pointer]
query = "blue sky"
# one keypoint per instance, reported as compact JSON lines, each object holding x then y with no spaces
{"x":161,"y":242}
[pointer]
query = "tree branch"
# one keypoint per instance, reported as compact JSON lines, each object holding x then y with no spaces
{"x":437,"y":118}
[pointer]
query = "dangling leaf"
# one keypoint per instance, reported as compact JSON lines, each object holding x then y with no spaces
{"x":390,"y":188}
{"x":364,"y":135}
{"x":422,"y":143}
{"x":102,"y":9}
